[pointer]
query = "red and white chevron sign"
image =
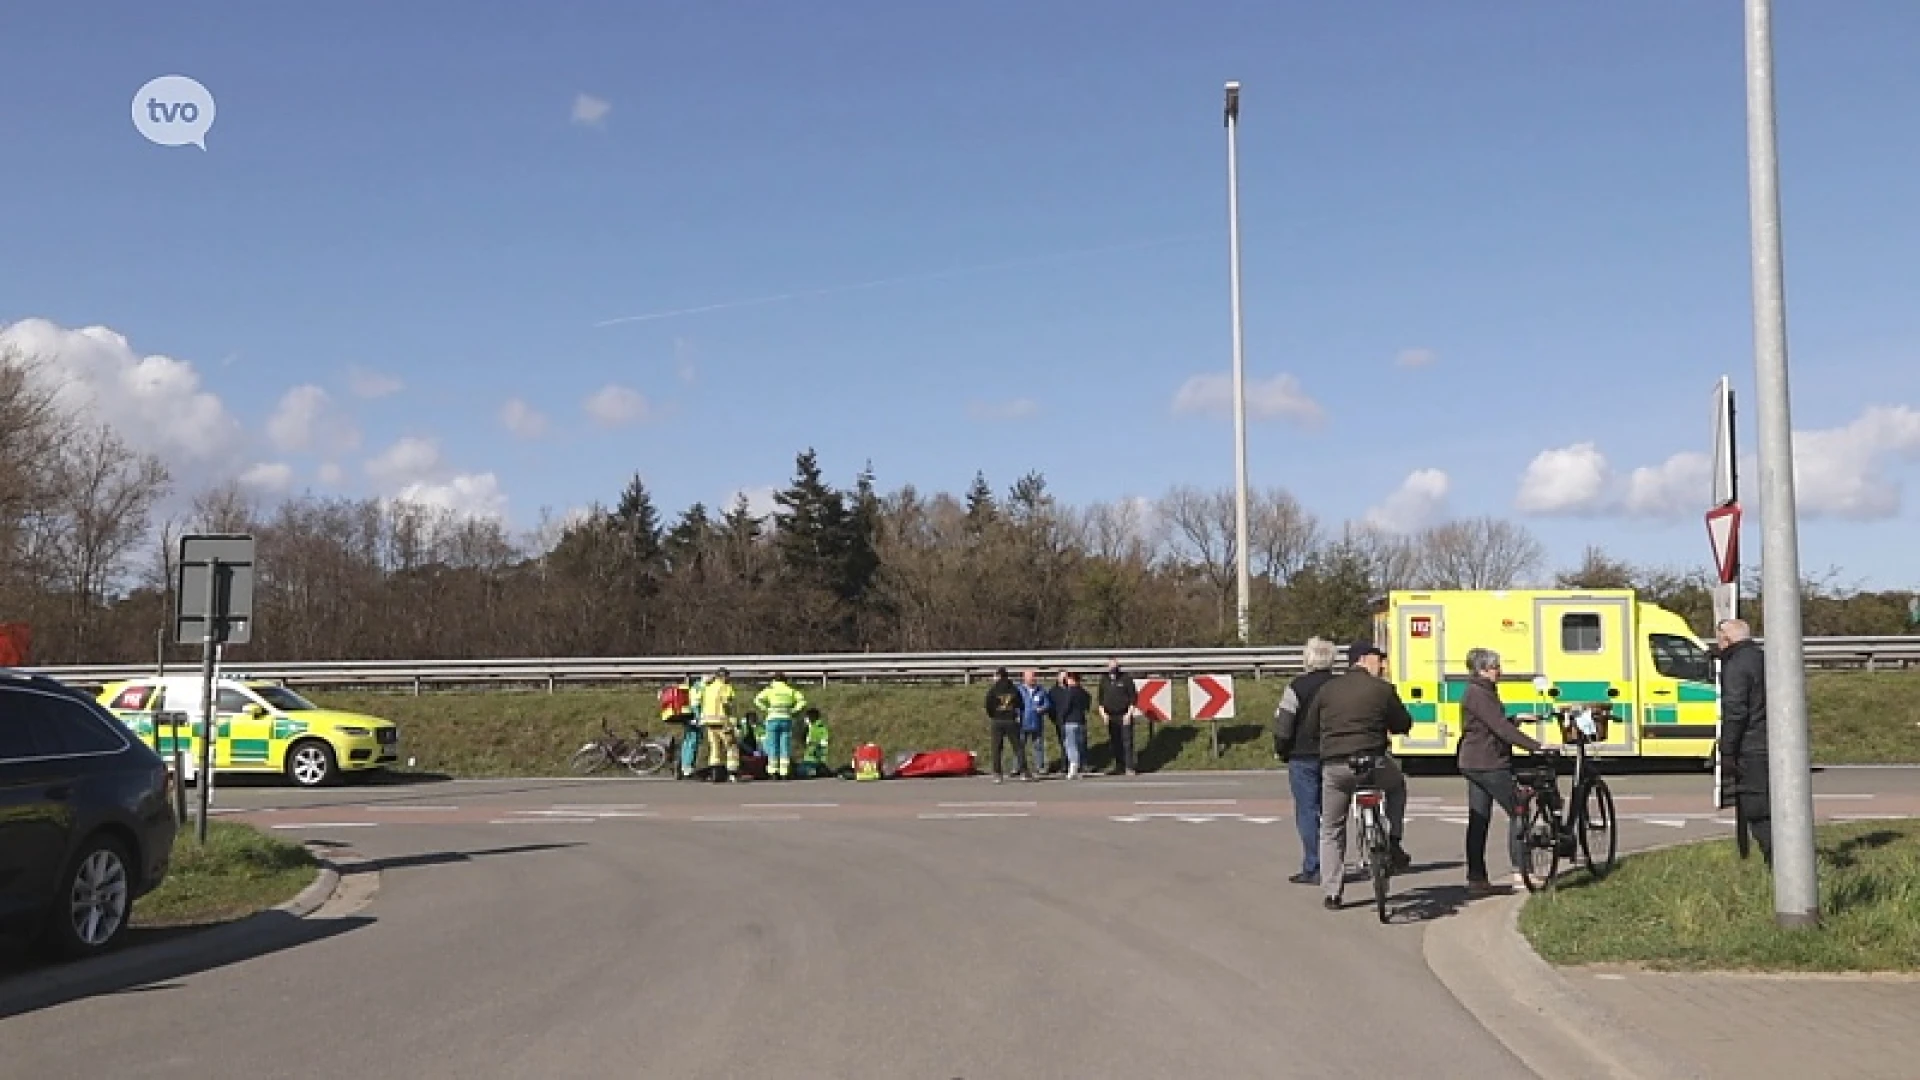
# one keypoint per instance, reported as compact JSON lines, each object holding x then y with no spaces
{"x":1210,"y":697}
{"x":1154,"y":699}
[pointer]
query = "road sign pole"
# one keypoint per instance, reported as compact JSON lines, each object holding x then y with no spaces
{"x":206,"y":699}
{"x":1796,"y":890}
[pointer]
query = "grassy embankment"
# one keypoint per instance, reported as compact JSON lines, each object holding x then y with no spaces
{"x":1857,"y":718}
{"x":241,"y":870}
{"x":1700,"y":907}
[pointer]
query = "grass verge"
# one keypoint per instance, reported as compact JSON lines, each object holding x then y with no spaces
{"x":1858,"y":718}
{"x":241,"y":870}
{"x":1701,"y":907}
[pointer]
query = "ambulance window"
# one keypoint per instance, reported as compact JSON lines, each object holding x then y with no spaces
{"x":231,"y":701}
{"x":1581,"y":634}
{"x":1680,"y":658}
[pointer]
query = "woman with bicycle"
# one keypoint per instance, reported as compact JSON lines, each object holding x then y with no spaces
{"x":1487,"y":740}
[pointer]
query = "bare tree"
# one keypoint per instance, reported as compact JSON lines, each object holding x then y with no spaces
{"x":1281,"y":534}
{"x":1479,"y":553}
{"x":106,"y":494}
{"x":1393,"y":561}
{"x":1203,"y":530}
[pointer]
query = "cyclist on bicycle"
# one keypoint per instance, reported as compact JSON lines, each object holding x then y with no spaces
{"x":1487,"y":739}
{"x":1357,"y":715}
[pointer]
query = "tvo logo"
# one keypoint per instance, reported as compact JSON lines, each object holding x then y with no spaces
{"x":174,"y":110}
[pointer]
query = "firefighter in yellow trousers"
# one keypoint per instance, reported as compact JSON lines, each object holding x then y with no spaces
{"x":779,"y":703}
{"x":723,"y":746}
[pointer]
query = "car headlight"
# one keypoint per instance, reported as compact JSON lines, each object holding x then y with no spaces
{"x":353,"y":732}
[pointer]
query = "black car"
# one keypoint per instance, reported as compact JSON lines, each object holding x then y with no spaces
{"x":86,"y":823}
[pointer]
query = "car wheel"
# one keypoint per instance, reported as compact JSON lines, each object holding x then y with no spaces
{"x":95,"y":900}
{"x":311,"y":764}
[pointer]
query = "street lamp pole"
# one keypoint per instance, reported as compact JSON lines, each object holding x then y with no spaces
{"x":1239,"y":363}
{"x":1796,"y":889}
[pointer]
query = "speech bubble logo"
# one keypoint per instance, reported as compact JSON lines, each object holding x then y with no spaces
{"x":174,"y":110}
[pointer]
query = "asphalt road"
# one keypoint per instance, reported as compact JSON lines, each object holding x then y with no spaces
{"x":1138,"y":927}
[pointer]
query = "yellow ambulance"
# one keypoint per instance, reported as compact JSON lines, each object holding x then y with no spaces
{"x":260,"y":727}
{"x":1601,"y":647}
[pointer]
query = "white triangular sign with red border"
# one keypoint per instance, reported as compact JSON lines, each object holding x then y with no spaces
{"x":1723,"y":532}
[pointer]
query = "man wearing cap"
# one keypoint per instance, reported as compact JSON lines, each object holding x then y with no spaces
{"x":1357,"y":714}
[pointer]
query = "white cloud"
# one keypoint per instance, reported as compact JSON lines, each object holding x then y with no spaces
{"x":616,"y":406}
{"x":1416,"y":358}
{"x":373,"y":384}
{"x":1841,"y":472}
{"x":523,"y":420}
{"x":275,"y":477}
{"x":1419,"y":501}
{"x":156,"y":404}
{"x":468,"y":495}
{"x":759,"y":500}
{"x":306,"y":419}
{"x":589,"y":110}
{"x":412,"y":460}
{"x":1571,"y":480}
{"x":1279,"y":397}
{"x":1017,"y":409}
{"x":332,"y":474}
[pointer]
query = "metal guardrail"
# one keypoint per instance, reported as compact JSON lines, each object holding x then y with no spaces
{"x":1842,"y":653}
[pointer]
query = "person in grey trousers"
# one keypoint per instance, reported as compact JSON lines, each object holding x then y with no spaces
{"x":1487,"y":739}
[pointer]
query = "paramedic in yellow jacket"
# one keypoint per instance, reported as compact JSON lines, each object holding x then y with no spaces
{"x":779,"y":703}
{"x":716,"y":715}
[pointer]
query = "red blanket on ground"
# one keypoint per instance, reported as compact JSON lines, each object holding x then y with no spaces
{"x":938,"y":763}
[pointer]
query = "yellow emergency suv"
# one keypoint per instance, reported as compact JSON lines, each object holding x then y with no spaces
{"x":260,"y":727}
{"x":1600,"y":647}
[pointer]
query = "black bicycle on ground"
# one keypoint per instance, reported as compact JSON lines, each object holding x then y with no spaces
{"x":1581,"y":827}
{"x":1376,"y":840}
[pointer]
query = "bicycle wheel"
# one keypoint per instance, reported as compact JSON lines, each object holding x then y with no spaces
{"x":647,"y":758}
{"x":589,"y":759}
{"x":1596,"y":816}
{"x":1542,"y":844}
{"x":1380,"y":858}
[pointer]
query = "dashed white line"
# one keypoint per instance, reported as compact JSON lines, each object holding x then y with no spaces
{"x":545,"y":821}
{"x":788,"y":805}
{"x":330,"y":825}
{"x":1454,"y":820}
{"x":1631,"y":798}
{"x":747,"y":817}
{"x":965,"y":805}
{"x":1671,"y":823}
{"x":584,"y":807}
{"x":1186,"y":802}
{"x":407,"y":809}
{"x":971,"y":815}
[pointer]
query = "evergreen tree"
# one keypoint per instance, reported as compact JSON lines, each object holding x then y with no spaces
{"x":982,"y":511}
{"x":811,"y":536}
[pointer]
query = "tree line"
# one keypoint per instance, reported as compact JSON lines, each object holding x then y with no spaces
{"x":833,"y":568}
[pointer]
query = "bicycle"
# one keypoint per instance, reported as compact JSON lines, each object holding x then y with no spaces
{"x":642,"y":755}
{"x":1376,"y":840}
{"x":1557,"y":829}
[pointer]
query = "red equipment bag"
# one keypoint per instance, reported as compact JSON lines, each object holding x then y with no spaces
{"x":867,"y":762}
{"x":938,"y":763}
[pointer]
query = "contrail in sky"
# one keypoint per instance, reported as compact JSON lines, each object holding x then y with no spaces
{"x":1031,"y":260}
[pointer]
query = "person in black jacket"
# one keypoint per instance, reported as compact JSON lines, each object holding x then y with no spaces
{"x":1298,"y":745}
{"x":1004,"y":706}
{"x":1743,"y":731}
{"x":1071,"y":703}
{"x":1117,"y":696}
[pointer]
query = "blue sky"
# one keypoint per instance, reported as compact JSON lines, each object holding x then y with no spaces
{"x":1474,"y":233}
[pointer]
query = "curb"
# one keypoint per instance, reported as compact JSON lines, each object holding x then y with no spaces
{"x":142,"y":964}
{"x":1535,"y":1012}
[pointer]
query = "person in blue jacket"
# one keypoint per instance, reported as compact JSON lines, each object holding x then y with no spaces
{"x":1035,"y":707}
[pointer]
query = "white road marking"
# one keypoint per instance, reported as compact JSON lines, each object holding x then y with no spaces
{"x":545,"y":821}
{"x":1612,"y":978}
{"x":1129,"y":819}
{"x":331,"y":825}
{"x":788,"y":805}
{"x":407,"y":809}
{"x":1178,"y":783}
{"x":1629,"y":798}
{"x":747,"y":817}
{"x":1454,"y":820}
{"x":1843,"y":796}
{"x":581,"y":807}
{"x":970,"y":815}
{"x":964,"y":805}
{"x":1671,"y":823}
{"x":1869,"y":817}
{"x":1186,"y":802}
{"x":1260,"y":820}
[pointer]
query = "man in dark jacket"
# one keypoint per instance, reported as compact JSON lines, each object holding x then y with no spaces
{"x":1299,"y":746}
{"x":1004,"y":708}
{"x":1487,"y":739}
{"x":1743,"y":731}
{"x":1357,"y":713}
{"x":1117,"y":695}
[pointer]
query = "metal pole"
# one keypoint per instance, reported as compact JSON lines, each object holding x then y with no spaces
{"x":1239,"y":363}
{"x":206,"y":699}
{"x":1796,"y":889}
